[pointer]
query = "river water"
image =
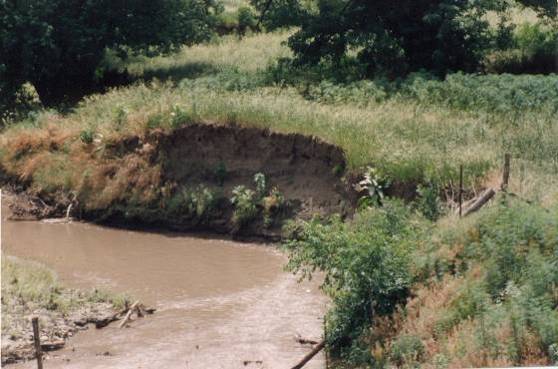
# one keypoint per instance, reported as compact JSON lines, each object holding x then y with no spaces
{"x":220,"y":304}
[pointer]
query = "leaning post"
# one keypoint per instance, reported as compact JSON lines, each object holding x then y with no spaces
{"x":37,"y":341}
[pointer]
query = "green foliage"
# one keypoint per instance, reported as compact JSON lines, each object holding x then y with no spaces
{"x":244,"y":203}
{"x":533,"y":49}
{"x":513,"y":250}
{"x":58,"y":45}
{"x":428,"y":202}
{"x":261,"y":185}
{"x":246,"y":19}
{"x":86,"y":136}
{"x":365,"y":264}
{"x":196,"y":205}
{"x":248,"y":204}
{"x":272,"y":204}
{"x":502,"y":94}
{"x":547,"y":8}
{"x":280,"y":13}
{"x":373,"y":185}
{"x":382,"y":38}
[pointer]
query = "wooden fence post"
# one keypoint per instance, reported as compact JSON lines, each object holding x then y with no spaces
{"x":506,"y":172}
{"x":37,"y":341}
{"x":460,"y":190}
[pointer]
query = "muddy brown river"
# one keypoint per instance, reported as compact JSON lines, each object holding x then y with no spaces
{"x":220,"y":304}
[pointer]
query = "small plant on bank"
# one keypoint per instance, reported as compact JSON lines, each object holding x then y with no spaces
{"x":272,"y":204}
{"x":86,"y":136}
{"x":428,"y":202}
{"x":373,"y":185}
{"x":180,"y":117}
{"x":245,"y":209}
{"x":248,"y":204}
{"x":261,"y":185}
{"x":221,"y":173}
{"x":194,"y":204}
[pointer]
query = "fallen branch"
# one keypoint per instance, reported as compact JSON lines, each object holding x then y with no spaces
{"x":305,"y":341}
{"x":128,"y":314}
{"x":480,"y":201}
{"x":101,"y":323}
{"x":309,"y":357}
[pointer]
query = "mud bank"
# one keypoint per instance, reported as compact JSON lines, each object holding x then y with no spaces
{"x":62,"y":312}
{"x":185,"y":180}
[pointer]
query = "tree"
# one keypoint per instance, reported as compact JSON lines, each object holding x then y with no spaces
{"x":58,"y":45}
{"x":388,"y":37}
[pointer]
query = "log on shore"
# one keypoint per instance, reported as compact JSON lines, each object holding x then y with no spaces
{"x":480,"y":201}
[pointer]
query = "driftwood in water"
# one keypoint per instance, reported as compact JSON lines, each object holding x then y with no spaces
{"x":140,"y":309}
{"x":52,"y":345}
{"x":480,"y":201}
{"x":309,"y":357}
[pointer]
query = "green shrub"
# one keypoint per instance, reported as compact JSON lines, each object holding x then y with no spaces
{"x":86,"y":136}
{"x":428,"y":202}
{"x":365,"y":265}
{"x":244,"y":204}
{"x":246,"y":19}
{"x":197,"y":205}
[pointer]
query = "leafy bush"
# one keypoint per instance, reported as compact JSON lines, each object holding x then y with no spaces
{"x":246,"y":19}
{"x":248,"y":204}
{"x":365,"y":265}
{"x":373,"y":186}
{"x":86,"y":136}
{"x":272,"y":204}
{"x":428,"y":202}
{"x":244,"y":204}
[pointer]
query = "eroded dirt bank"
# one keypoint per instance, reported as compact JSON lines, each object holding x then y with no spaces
{"x":184,"y":179}
{"x":220,"y":304}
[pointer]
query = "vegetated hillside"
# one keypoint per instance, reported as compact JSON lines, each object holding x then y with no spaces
{"x":411,"y":285}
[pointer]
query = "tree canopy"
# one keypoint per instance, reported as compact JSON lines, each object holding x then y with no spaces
{"x":390,"y":38}
{"x":58,"y":45}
